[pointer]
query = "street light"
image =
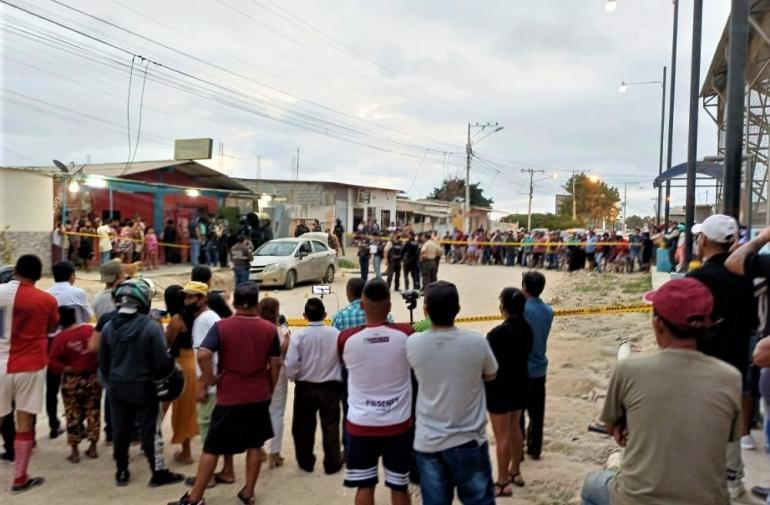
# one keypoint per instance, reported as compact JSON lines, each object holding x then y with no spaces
{"x":68,"y":180}
{"x":623,"y":87}
{"x":611,"y":5}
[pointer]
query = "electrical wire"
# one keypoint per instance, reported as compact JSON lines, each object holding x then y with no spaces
{"x":128,"y":114}
{"x":417,"y":172}
{"x":139,"y":127}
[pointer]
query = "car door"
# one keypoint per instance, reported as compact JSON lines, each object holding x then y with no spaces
{"x":320,"y":258}
{"x":304,"y":265}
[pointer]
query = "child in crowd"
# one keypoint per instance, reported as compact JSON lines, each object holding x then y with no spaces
{"x":151,"y":248}
{"x":80,"y":388}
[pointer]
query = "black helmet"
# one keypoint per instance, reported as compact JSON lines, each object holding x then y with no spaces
{"x":134,"y":293}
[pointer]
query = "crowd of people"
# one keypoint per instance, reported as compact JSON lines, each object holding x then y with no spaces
{"x":377,"y":387}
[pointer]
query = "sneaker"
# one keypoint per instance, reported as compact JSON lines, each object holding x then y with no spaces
{"x":122,"y":478}
{"x":55,"y":433}
{"x":185,"y":500}
{"x":735,"y":488}
{"x":6,"y":457}
{"x":747,"y":442}
{"x":164,"y":478}
{"x":31,"y":482}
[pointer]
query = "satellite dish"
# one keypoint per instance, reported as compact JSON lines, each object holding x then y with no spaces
{"x":61,"y":166}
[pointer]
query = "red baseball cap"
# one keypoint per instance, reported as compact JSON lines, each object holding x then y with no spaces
{"x":685,"y":303}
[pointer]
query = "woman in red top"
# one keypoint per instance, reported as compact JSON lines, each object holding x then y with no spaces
{"x":80,"y":387}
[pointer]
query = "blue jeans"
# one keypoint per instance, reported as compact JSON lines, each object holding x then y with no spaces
{"x":212,"y":252}
{"x":465,"y":467}
{"x":241,"y":275}
{"x":595,"y":490}
{"x":105,"y":257}
{"x":364,"y":262}
{"x":377,"y":267}
{"x":195,"y":251}
{"x":599,"y":257}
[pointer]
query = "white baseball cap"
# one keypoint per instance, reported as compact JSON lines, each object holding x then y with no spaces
{"x":719,"y":228}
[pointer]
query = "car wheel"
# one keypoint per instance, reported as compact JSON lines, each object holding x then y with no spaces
{"x":329,"y":277}
{"x":291,"y":280}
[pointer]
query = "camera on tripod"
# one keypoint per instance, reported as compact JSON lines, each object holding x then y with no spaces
{"x":411,"y":297}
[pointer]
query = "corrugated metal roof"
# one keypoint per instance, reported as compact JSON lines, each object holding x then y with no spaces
{"x":208,"y":177}
{"x":305,"y":181}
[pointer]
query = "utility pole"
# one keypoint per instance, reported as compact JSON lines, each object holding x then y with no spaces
{"x":298,"y":163}
{"x":672,"y":95}
{"x":531,"y":172}
{"x":692,"y":140}
{"x":259,"y":167}
{"x":574,"y":196}
{"x":736,"y":84}
{"x":468,"y":155}
{"x":625,"y":205}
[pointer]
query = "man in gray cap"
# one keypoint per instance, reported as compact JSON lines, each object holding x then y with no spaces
{"x":112,"y":274}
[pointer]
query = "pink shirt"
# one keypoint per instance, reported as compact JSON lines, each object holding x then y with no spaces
{"x":151,"y":242}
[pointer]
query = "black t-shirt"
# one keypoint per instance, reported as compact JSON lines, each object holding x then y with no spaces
{"x":735,"y":312}
{"x":511,"y":343}
{"x":104,"y":319}
{"x":757,"y":267}
{"x":184,"y":339}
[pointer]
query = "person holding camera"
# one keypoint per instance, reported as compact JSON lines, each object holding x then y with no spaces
{"x":132,"y":354}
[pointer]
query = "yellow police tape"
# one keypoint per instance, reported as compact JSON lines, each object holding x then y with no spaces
{"x":577,"y":311}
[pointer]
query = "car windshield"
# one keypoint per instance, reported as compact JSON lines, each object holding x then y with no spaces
{"x":276,"y":249}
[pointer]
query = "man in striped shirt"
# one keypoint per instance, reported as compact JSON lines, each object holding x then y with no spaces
{"x":379,"y":417}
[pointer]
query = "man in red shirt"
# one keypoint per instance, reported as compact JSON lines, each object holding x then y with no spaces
{"x":27,"y":316}
{"x":249,"y":361}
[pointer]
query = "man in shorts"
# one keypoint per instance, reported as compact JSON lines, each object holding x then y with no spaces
{"x":379,"y":417}
{"x":27,"y":316}
{"x":249,"y":361}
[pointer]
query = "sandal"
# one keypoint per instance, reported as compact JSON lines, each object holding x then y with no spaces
{"x":517,"y":480}
{"x":500,"y":490}
{"x":246,"y":501}
{"x":219,"y":480}
{"x":73,"y":458}
{"x":182,"y":461}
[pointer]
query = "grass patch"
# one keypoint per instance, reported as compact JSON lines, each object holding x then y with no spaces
{"x":346,"y":263}
{"x":638,"y":285}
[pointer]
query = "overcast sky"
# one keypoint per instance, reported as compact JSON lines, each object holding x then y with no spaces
{"x":377,"y":92}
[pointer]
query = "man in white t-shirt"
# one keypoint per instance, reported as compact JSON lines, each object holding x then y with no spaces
{"x":379,"y":417}
{"x":451,"y":365}
{"x":103,"y":230}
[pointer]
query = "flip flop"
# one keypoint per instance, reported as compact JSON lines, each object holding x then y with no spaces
{"x":219,"y":480}
{"x":517,"y":480}
{"x":246,"y":501}
{"x":500,"y":490}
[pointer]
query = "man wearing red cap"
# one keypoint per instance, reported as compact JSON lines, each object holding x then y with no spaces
{"x":652,"y":401}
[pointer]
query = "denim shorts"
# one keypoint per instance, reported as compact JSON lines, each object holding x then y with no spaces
{"x":465,"y":467}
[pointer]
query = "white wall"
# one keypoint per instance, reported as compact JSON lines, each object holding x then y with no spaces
{"x":26,"y":200}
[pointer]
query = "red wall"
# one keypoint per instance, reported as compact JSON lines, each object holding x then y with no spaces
{"x":171,"y":177}
{"x":129,"y":204}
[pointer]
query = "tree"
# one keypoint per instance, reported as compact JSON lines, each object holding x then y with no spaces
{"x":594,"y":199}
{"x":550,"y":221}
{"x":639,"y":222}
{"x":452,"y":189}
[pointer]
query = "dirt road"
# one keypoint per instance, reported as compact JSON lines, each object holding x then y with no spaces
{"x":581,"y":352}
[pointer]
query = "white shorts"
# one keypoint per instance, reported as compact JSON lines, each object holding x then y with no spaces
{"x":24,"y":389}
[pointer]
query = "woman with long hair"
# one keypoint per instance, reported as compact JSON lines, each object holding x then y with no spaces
{"x":507,"y":394}
{"x":270,"y":309}
{"x":184,"y":410}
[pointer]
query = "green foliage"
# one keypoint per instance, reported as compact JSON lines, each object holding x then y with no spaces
{"x":550,"y":221}
{"x":595,"y":200}
{"x":7,"y":247}
{"x":451,"y":189}
{"x":639,"y":222}
{"x":346,"y":263}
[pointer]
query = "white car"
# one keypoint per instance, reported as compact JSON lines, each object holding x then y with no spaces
{"x":287,"y":261}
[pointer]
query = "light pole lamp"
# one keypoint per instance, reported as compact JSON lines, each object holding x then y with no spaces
{"x":468,"y":154}
{"x":68,"y":182}
{"x":623,"y":87}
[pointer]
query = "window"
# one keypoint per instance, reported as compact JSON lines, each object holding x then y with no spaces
{"x":385,"y":218}
{"x":319,"y":246}
{"x":305,"y":247}
{"x":371,"y":214}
